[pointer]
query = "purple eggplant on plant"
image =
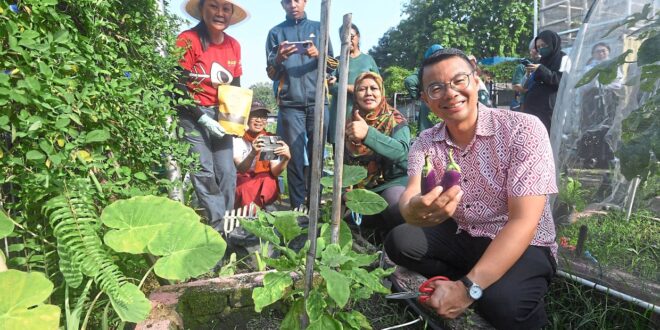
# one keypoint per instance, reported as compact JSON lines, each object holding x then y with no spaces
{"x":452,"y":174}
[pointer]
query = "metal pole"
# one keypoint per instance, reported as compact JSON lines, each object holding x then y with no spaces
{"x":631,"y":196}
{"x":536,"y":18}
{"x":317,"y":153}
{"x":341,"y":126}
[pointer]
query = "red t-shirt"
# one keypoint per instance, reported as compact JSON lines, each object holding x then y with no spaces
{"x":211,"y":67}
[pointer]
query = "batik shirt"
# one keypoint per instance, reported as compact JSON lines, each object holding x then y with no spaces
{"x":510,"y":156}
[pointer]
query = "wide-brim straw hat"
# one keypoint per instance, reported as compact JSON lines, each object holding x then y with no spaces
{"x":240,"y":14}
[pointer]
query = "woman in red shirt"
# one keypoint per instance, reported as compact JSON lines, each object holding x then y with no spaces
{"x":211,"y":58}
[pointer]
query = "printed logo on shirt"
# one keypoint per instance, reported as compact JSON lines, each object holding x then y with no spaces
{"x":219,"y":75}
{"x":312,"y":35}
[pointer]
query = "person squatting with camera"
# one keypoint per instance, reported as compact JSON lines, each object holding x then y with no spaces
{"x":260,"y":158}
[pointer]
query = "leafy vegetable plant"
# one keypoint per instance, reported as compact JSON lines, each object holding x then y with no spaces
{"x":342,"y":277}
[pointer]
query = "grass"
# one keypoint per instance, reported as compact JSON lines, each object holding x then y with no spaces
{"x":631,"y":246}
{"x":572,"y":306}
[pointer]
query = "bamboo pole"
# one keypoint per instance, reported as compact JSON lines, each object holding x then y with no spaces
{"x":317,"y":153}
{"x":341,"y":126}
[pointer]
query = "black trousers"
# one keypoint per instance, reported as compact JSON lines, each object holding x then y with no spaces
{"x":515,"y":301}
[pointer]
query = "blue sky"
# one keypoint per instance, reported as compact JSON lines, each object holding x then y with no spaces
{"x":373,"y":18}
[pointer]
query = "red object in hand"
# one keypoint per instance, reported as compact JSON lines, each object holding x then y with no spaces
{"x":425,"y":291}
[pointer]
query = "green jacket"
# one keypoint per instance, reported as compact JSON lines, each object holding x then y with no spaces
{"x":414,"y":90}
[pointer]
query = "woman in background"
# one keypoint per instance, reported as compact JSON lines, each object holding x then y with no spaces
{"x":209,"y":49}
{"x":378,"y":138}
{"x":541,"y":97}
{"x":358,"y":63}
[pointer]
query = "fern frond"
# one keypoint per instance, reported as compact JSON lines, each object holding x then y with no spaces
{"x":75,"y":225}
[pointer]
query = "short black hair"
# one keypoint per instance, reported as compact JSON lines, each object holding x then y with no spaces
{"x":441,"y":55}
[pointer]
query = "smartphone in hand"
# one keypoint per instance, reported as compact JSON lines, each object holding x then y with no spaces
{"x":301,"y":46}
{"x":525,"y":62}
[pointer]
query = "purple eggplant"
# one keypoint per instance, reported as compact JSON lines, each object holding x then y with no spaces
{"x":452,"y":174}
{"x":428,"y":176}
{"x":451,"y":177}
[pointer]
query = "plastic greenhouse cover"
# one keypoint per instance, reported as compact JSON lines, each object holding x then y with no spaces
{"x":586,"y":124}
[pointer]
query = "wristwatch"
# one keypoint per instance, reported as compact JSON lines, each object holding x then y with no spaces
{"x":474,"y":291}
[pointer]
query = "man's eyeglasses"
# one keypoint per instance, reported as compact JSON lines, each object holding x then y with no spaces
{"x":460,"y":82}
{"x":259,"y":118}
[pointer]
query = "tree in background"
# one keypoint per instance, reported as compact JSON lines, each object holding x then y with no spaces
{"x":263,"y":92}
{"x":394,"y":80}
{"x":480,"y":27}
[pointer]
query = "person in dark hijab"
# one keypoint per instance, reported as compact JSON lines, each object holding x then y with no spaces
{"x":541,"y":97}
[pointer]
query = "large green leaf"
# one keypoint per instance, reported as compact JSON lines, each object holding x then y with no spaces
{"x":351,"y":176}
{"x":275,"y":285}
{"x":6,"y":225}
{"x":332,"y":256}
{"x":287,"y":225}
{"x":355,"y":319}
{"x":139,"y":219}
{"x":292,"y":319}
{"x":345,"y":236}
{"x":134,"y":307}
{"x":21,"y":305}
{"x":326,"y":322}
{"x":188,"y":248}
{"x":365,"y":202}
{"x":34,"y":155}
{"x":338,"y":285}
{"x":258,"y":229}
{"x":635,"y":156}
{"x":99,"y":135}
{"x":315,"y":305}
{"x":649,"y":51}
{"x":369,"y":280}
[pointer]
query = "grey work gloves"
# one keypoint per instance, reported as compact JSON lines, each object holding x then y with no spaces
{"x":212,"y":126}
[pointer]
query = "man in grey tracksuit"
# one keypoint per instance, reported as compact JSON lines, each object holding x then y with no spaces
{"x":292,"y":49}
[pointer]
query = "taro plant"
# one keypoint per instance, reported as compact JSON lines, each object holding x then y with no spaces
{"x":21,"y":306}
{"x":144,"y":224}
{"x":343,"y":276}
{"x":23,"y":294}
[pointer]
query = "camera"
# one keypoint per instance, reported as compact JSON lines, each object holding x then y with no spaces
{"x":525,"y":62}
{"x":269,"y":146}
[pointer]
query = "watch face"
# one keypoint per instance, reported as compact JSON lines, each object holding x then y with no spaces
{"x":475,"y":292}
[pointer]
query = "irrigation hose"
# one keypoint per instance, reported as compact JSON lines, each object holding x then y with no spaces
{"x":612,"y":292}
{"x":405,"y":324}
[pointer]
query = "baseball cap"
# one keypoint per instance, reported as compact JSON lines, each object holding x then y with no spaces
{"x":434,"y":48}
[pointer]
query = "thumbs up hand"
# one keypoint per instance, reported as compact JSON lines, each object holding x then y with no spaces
{"x":357,"y":130}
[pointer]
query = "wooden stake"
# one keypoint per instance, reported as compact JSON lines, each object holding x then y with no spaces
{"x":317,"y":153}
{"x":341,"y":127}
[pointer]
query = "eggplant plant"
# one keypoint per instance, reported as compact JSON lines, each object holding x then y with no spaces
{"x":343,"y":275}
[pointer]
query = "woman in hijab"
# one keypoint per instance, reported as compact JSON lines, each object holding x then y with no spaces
{"x":358,"y":62}
{"x":541,"y":97}
{"x":211,"y":58}
{"x":378,"y":138}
